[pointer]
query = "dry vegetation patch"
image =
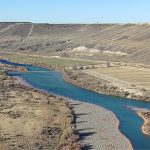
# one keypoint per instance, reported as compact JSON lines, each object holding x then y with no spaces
{"x":30,"y":119}
{"x":134,"y":75}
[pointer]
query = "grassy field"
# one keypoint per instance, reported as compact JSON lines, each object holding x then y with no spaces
{"x":45,"y":61}
{"x":134,"y":75}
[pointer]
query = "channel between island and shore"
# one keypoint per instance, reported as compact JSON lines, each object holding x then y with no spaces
{"x":97,"y":126}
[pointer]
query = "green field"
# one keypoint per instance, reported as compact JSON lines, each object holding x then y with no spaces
{"x":60,"y":62}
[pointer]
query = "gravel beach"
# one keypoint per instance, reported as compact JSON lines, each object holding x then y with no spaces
{"x":98,"y":128}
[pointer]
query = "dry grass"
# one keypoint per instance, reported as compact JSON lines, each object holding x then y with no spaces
{"x":31,"y":119}
{"x":134,"y":75}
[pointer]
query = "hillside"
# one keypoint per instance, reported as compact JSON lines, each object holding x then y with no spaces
{"x":129,"y":42}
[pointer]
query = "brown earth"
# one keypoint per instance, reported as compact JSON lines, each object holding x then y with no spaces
{"x":31,"y":119}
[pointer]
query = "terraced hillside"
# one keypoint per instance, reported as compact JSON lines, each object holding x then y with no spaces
{"x":129,"y":42}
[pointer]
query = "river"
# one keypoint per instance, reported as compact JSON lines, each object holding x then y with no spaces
{"x":52,"y":81}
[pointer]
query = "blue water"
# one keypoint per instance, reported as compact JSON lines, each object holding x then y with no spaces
{"x":130,"y":122}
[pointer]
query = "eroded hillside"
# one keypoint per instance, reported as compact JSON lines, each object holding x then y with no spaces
{"x":129,"y":42}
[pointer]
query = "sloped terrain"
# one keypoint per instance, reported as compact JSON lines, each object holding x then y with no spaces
{"x":128,"y":42}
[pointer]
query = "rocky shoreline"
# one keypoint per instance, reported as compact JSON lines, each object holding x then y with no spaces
{"x":145,"y":115}
{"x":89,"y":82}
{"x":33,"y":119}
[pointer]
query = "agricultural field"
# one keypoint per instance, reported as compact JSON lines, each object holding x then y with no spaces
{"x":134,"y":75}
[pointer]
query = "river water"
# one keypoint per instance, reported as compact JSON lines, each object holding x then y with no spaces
{"x":52,"y":81}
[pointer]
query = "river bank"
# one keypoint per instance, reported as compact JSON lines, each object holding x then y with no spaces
{"x":97,"y":127}
{"x":79,"y":78}
{"x":32,"y":119}
{"x":145,"y":115}
{"x":101,"y":86}
{"x":87,"y":81}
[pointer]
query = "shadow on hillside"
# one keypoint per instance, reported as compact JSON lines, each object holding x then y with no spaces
{"x":82,"y":114}
{"x":83,"y":136}
{"x":87,"y":147}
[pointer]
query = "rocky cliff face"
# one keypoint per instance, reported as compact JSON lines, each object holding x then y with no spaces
{"x":129,"y":42}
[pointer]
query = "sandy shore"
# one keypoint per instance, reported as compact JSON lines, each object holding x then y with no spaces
{"x":97,"y":126}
